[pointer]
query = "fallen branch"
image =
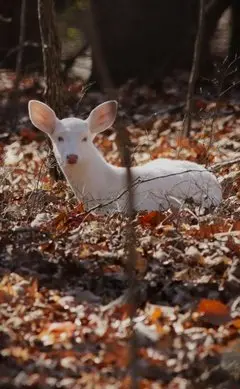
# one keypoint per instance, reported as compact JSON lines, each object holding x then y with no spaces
{"x":220,"y":165}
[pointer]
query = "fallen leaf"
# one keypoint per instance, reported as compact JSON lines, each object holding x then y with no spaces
{"x":28,"y":134}
{"x":4,"y":297}
{"x":233,"y":246}
{"x":236,"y":323}
{"x":205,"y":230}
{"x":117,"y":355}
{"x":152,"y":218}
{"x":57,"y":332}
{"x":156,"y":314}
{"x":214,"y":312}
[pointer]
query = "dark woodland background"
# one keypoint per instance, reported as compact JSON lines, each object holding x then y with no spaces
{"x":139,"y":40}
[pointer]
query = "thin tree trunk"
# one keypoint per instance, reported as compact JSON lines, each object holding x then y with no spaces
{"x":123,"y":144}
{"x":15,"y":94}
{"x":51,"y":50}
{"x":194,"y":72}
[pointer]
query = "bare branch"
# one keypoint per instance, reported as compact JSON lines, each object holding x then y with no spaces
{"x":220,"y":165}
{"x":234,"y":84}
{"x":17,"y":48}
{"x":4,"y":19}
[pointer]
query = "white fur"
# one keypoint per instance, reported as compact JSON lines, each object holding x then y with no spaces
{"x":158,"y":184}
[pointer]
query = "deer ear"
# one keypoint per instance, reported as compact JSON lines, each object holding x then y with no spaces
{"x":42,"y":116}
{"x":102,"y":117}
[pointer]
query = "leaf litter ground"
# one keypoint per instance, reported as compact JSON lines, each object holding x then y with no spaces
{"x":63,"y":307}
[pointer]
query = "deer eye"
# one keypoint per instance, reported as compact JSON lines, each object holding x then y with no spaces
{"x":84,"y":139}
{"x":60,"y":139}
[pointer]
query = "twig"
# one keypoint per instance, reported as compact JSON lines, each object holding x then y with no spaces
{"x":234,"y":84}
{"x":4,"y":19}
{"x":219,"y":83}
{"x":17,"y":48}
{"x":134,"y":183}
{"x":220,"y":165}
{"x":194,"y":71}
{"x":222,"y":73}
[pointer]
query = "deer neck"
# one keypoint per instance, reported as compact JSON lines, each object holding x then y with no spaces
{"x":94,"y":181}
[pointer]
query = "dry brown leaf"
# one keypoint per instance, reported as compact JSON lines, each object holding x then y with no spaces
{"x":19,"y":353}
{"x":236,"y":323}
{"x":5,"y":297}
{"x":233,"y":246}
{"x":214,"y":312}
{"x":156,"y":314}
{"x":116,"y":354}
{"x":152,"y":218}
{"x":206,"y":230}
{"x":47,"y":247}
{"x":57,"y":332}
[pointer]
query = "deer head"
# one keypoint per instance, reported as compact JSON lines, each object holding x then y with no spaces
{"x":72,"y":138}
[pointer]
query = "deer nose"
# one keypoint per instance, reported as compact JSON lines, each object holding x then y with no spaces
{"x":72,"y":159}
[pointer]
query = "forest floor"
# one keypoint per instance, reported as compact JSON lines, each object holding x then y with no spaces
{"x":63,"y":310}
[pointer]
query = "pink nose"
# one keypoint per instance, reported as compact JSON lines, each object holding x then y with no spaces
{"x":72,"y":159}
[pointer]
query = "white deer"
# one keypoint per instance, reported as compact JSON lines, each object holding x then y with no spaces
{"x":157,"y":185}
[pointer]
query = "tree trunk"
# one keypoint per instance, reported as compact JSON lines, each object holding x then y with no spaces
{"x":234,"y":51}
{"x":52,"y":67}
